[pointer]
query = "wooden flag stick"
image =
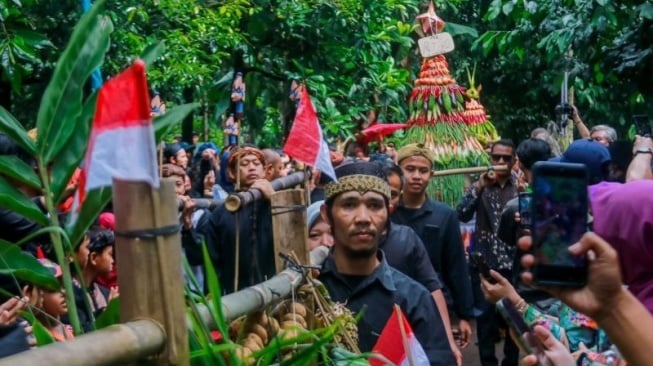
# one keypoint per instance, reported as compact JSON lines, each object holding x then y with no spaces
{"x":404,"y":336}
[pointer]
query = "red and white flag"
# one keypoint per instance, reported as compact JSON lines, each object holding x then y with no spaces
{"x":121,"y":144}
{"x":305,"y":141}
{"x":398,"y":343}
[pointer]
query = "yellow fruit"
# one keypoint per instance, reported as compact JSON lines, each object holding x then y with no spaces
{"x":260,"y":331}
{"x":253,"y":339}
{"x":290,"y":317}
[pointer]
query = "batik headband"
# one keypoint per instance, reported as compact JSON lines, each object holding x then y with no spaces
{"x":360,"y":183}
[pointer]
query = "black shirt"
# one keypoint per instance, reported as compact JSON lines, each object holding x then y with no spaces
{"x":256,"y":254}
{"x":438,"y":227}
{"x":405,"y":252}
{"x":376,"y":296}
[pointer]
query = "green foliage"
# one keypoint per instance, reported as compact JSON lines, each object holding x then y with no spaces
{"x":609,"y":67}
{"x":14,"y":262}
{"x":41,"y":333}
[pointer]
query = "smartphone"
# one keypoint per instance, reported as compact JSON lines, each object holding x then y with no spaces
{"x":559,"y":219}
{"x":642,"y":124}
{"x":525,"y":201}
{"x":482,"y":266}
{"x":524,"y":337}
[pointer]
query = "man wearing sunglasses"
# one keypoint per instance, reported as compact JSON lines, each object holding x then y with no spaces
{"x":486,"y":198}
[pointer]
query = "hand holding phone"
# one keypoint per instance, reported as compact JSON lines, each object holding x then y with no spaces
{"x":642,"y":124}
{"x":482,"y":266}
{"x":522,"y":333}
{"x":559,"y":219}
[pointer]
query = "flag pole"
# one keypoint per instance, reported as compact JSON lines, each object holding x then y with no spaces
{"x":404,"y":337}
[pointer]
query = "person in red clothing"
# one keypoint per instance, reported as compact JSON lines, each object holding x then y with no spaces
{"x":107,"y":221}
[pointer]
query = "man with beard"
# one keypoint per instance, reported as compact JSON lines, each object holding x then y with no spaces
{"x":356,"y":272}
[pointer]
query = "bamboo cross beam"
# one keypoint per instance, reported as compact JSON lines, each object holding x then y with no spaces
{"x":479,"y":169}
{"x":237,"y":200}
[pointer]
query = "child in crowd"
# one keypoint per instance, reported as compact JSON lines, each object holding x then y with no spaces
{"x":95,"y":258}
{"x":53,"y":306}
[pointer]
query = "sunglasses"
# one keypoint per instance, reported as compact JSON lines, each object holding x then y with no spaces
{"x":498,"y":157}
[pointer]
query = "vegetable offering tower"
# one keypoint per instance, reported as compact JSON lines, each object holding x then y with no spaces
{"x":475,"y":116}
{"x":436,"y":114}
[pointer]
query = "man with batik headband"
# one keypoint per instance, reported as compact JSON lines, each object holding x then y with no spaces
{"x":356,"y":272}
{"x":438,"y":227}
{"x":253,"y":243}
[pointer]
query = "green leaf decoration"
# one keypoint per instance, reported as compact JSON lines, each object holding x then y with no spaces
{"x":110,"y":315}
{"x":153,"y":52}
{"x":14,"y":200}
{"x":460,"y":30}
{"x":12,"y":128}
{"x":41,"y":333}
{"x":62,"y":101}
{"x":71,"y":155}
{"x":23,"y":266}
{"x":93,"y":204}
{"x":15,"y":168}
{"x":174,"y":115}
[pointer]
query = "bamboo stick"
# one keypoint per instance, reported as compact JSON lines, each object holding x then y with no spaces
{"x":115,"y":345}
{"x":237,"y":200}
{"x":480,"y":169}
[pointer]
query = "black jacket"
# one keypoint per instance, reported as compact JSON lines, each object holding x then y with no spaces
{"x":438,"y":227}
{"x":376,"y":296}
{"x":406,"y":253}
{"x":256,"y":255}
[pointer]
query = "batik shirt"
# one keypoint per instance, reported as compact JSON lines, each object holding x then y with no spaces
{"x":488,"y":207}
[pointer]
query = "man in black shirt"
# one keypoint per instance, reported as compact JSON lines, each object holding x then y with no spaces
{"x":247,"y":234}
{"x":438,"y":227}
{"x":356,"y":272}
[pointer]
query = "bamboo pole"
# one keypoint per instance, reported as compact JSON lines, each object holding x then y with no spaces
{"x":480,"y":169}
{"x":149,"y":263}
{"x":237,"y":200}
{"x":115,"y":345}
{"x":280,"y":286}
{"x":289,"y":229}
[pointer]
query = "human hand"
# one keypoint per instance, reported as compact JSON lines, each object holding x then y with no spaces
{"x":465,"y":333}
{"x":457,"y":355}
{"x":9,"y":310}
{"x":502,"y":288}
{"x":114,"y":293}
{"x":209,"y":179}
{"x":642,"y":142}
{"x":603,"y":290}
{"x":264,"y":186}
{"x":187,"y":211}
{"x":483,"y":181}
{"x":554,"y":353}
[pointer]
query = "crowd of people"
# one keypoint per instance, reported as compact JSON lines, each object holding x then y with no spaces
{"x":390,"y":243}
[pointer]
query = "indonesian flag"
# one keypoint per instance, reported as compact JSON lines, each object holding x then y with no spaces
{"x":122,"y":137}
{"x":305,"y":141}
{"x":398,"y":343}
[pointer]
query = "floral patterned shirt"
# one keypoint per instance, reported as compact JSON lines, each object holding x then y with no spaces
{"x":488,"y":207}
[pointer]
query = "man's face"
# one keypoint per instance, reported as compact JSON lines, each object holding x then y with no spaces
{"x":181,"y":159}
{"x":180,"y":185}
{"x":502,"y":155}
{"x":320,"y":234}
{"x":250,"y":169}
{"x":417,"y":172}
{"x":274,"y":170}
{"x":601,"y":137}
{"x":395,"y":191}
{"x":358,"y":220}
{"x":286,"y":166}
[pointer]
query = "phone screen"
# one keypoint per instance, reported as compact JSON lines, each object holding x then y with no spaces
{"x":643,"y":124}
{"x":525,"y":201}
{"x":559,"y":219}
